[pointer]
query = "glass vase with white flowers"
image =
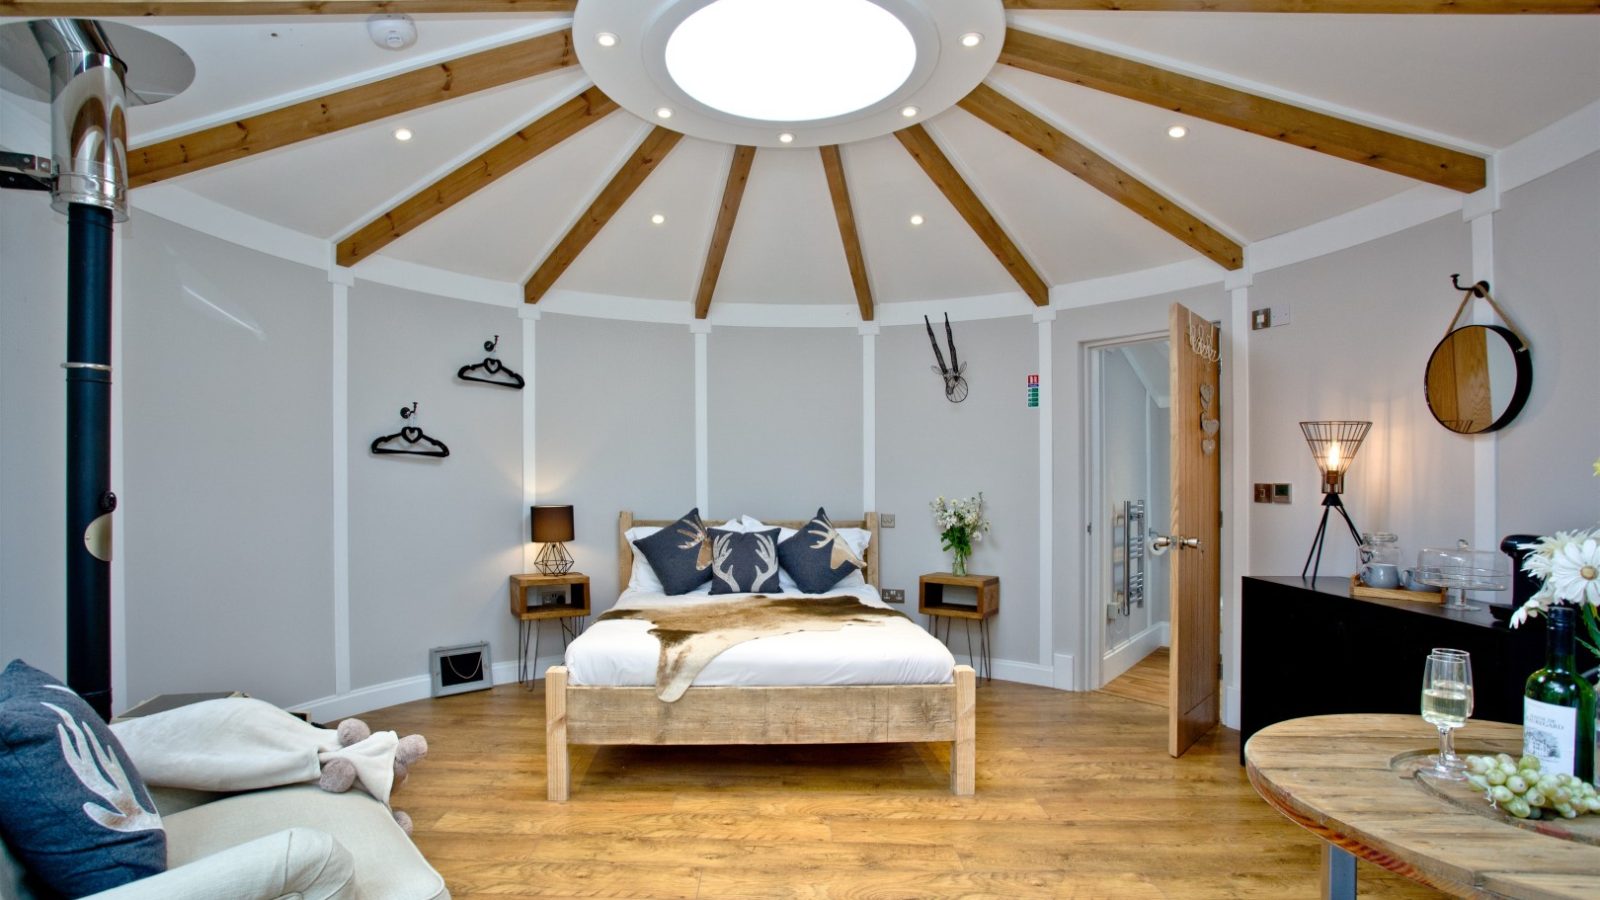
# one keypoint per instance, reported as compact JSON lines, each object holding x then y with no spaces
{"x":961,"y":524}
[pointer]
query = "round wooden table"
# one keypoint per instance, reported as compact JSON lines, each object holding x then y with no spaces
{"x":1352,"y":781}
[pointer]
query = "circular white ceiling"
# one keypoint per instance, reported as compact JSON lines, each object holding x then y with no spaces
{"x":787,"y":73}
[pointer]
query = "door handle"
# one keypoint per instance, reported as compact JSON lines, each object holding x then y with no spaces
{"x":1161,"y":543}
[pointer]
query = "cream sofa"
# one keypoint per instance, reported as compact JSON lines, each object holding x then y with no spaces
{"x":296,"y":842}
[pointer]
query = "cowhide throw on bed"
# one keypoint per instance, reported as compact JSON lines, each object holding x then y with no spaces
{"x":691,"y":636}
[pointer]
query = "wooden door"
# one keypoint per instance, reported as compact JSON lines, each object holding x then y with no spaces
{"x":1196,"y":614}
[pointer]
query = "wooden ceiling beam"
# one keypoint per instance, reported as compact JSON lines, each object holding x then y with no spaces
{"x":82,"y":8}
{"x":649,"y":154}
{"x":1295,"y":125}
{"x":1103,"y":175}
{"x":354,"y":106}
{"x":943,"y":173}
{"x":844,"y":212}
{"x":717,"y":250}
{"x":483,"y":170}
{"x":1373,"y":7}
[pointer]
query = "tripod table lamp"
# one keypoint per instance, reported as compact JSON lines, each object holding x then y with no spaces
{"x":1333,"y":446}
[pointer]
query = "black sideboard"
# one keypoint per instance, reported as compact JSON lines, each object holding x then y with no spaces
{"x":1309,"y":650}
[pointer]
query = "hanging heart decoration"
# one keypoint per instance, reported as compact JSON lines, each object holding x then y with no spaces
{"x":1206,"y":396}
{"x":1209,"y":426}
{"x":1209,"y":445}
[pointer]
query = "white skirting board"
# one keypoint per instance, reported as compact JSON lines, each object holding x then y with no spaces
{"x":1141,"y":645}
{"x":404,"y":690}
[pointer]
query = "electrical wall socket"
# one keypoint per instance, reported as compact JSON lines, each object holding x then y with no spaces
{"x":885,"y":520}
{"x":894,"y":595}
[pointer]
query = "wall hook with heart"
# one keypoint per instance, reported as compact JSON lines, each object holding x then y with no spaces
{"x":491,"y":370}
{"x":410,"y":440}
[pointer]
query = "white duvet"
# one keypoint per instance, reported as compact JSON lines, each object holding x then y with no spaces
{"x":622,"y":653}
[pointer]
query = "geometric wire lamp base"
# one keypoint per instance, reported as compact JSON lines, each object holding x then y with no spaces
{"x":553,"y":559}
{"x":1330,"y":502}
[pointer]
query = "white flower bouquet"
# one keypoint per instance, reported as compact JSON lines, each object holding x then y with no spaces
{"x":1568,"y":562}
{"x":961,"y":524}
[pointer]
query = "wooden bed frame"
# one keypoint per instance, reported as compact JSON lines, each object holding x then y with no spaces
{"x":834,"y":714}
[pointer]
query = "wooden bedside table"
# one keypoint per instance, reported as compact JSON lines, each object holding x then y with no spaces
{"x":535,"y":598}
{"x":931,"y":602}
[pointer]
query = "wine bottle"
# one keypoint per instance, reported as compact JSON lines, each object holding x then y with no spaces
{"x":1558,"y":707}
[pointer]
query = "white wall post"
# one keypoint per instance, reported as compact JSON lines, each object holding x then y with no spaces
{"x":701,"y":329}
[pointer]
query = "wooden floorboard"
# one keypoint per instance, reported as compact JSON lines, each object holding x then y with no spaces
{"x":1076,"y":798}
{"x":1146,"y":681}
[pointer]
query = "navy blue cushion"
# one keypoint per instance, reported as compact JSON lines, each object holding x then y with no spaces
{"x":744,"y":562}
{"x":73,"y":809}
{"x":817,"y":557}
{"x":680,"y":554}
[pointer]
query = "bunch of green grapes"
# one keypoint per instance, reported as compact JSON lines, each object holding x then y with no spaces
{"x":1518,"y":787}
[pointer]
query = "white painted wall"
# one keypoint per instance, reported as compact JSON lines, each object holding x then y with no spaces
{"x":1364,"y":322}
{"x":615,"y":431}
{"x":227,"y":493}
{"x":33,"y":426}
{"x":433,"y":542}
{"x":1547,"y":277}
{"x":784,"y":427}
{"x":928,"y":446}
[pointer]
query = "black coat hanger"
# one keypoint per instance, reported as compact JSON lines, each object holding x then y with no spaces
{"x":415,"y":441}
{"x":491,"y":370}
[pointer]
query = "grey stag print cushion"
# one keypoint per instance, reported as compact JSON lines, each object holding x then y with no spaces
{"x":72,"y":807}
{"x":680,"y":554}
{"x":817,"y":556}
{"x":744,"y":562}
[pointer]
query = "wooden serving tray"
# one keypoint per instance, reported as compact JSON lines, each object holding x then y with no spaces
{"x":1357,"y":589}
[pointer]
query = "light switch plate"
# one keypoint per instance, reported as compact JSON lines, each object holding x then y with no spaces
{"x":894,"y":595}
{"x":1282,"y":493}
{"x":885,"y":520}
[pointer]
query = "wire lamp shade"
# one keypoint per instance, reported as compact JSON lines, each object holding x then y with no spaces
{"x":552,"y":527}
{"x":1334,"y":446}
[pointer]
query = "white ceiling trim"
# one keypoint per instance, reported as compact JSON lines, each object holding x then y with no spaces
{"x":641,"y":132}
{"x":1233,"y":233}
{"x":1539,"y":154}
{"x":1548,"y":149}
{"x":472,"y":151}
{"x":401,"y":64}
{"x":1226,"y":79}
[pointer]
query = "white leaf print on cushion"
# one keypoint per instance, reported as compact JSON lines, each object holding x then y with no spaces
{"x":82,"y":752}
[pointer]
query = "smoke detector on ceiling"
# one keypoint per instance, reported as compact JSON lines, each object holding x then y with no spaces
{"x":392,"y":32}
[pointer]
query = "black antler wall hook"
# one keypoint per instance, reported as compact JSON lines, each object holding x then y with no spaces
{"x":491,"y":370}
{"x":410,"y":440}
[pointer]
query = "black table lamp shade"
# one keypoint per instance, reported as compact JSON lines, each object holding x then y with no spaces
{"x":552,"y":524}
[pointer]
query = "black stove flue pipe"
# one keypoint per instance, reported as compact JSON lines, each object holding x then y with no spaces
{"x":89,"y":497}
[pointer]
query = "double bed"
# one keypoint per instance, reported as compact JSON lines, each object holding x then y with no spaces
{"x":891,"y":682}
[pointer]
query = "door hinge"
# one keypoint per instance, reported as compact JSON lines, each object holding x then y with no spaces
{"x":1219,"y":518}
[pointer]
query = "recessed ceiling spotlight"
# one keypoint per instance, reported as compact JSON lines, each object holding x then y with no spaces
{"x":1177,"y":131}
{"x":663,"y":112}
{"x":909,"y":111}
{"x":606,"y":39}
{"x":786,"y":138}
{"x":402,"y":134}
{"x":657,"y":219}
{"x":971,"y":39}
{"x":916,"y":219}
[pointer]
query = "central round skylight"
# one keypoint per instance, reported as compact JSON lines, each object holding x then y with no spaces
{"x":790,"y":60}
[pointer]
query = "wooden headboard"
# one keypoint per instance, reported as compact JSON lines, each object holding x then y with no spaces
{"x":625,"y":520}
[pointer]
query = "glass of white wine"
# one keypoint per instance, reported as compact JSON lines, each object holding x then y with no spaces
{"x":1446,"y":705}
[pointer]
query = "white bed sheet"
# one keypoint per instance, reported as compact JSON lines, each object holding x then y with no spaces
{"x":622,"y":653}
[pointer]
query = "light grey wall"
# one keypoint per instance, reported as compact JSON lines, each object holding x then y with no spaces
{"x":928,"y":446}
{"x":227,"y":442}
{"x":433,"y":542}
{"x":784,"y":426}
{"x":33,"y":424}
{"x":614,"y":431}
{"x":1547,"y":277}
{"x":1075,"y":333}
{"x":1363,"y":324}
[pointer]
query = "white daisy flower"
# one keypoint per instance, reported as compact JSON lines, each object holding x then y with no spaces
{"x":1575,"y":572}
